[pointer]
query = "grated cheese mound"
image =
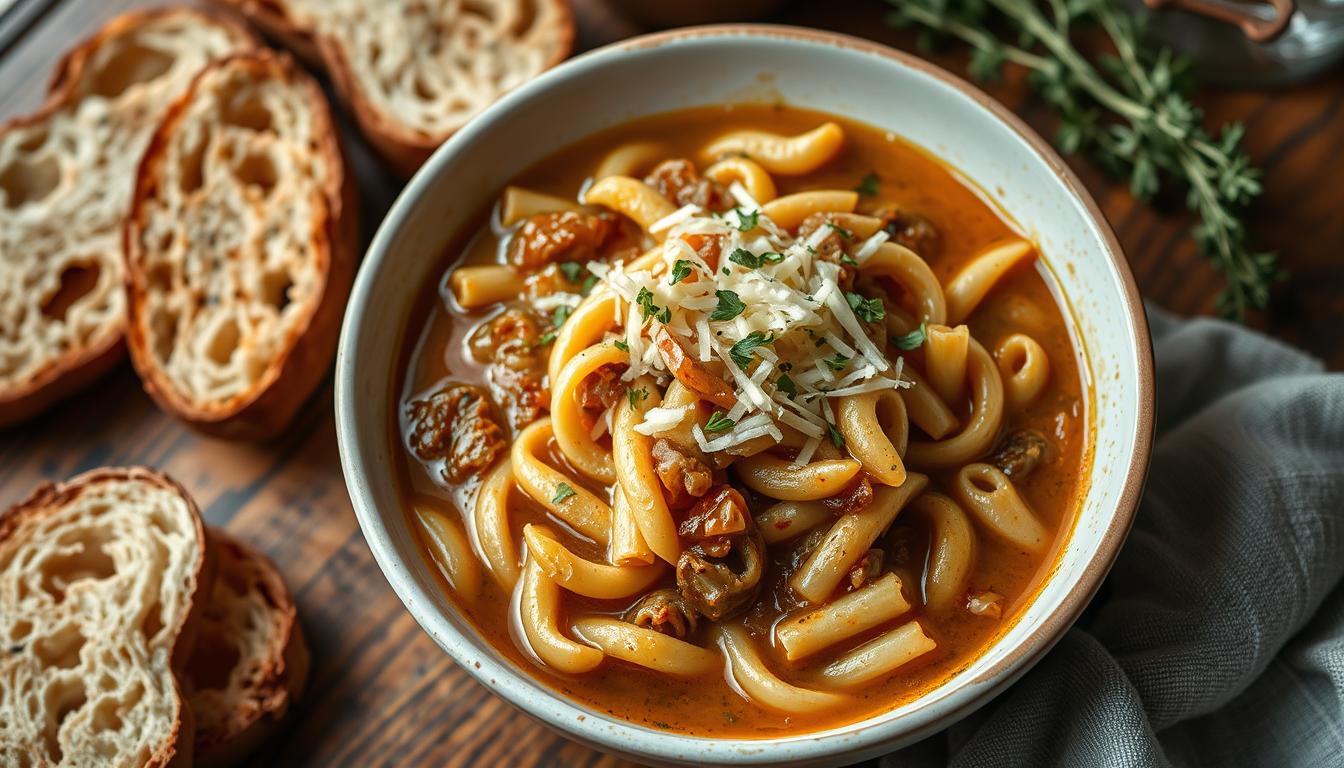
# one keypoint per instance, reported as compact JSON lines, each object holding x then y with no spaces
{"x":782,"y":317}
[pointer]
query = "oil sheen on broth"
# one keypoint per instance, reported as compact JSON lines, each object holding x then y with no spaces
{"x":1040,"y":444}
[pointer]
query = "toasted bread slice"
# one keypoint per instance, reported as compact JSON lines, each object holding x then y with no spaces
{"x":250,"y":662}
{"x":240,"y":245}
{"x":66,"y":175}
{"x":412,"y":71}
{"x":98,"y":580}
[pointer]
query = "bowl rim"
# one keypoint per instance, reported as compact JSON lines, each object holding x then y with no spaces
{"x":613,"y":734}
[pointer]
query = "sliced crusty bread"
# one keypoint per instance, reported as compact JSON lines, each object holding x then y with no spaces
{"x":66,"y":175}
{"x":98,"y":577}
{"x":240,"y":248}
{"x":250,"y":661}
{"x":414,"y":71}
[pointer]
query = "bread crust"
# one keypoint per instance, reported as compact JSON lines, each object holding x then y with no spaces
{"x":81,"y":366}
{"x":306,"y":356}
{"x":284,"y":670}
{"x":176,"y":751}
{"x":404,"y":148}
{"x":270,"y":17}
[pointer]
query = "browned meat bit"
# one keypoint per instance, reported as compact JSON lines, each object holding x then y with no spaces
{"x":856,"y":496}
{"x":510,"y":344}
{"x":1021,"y":453}
{"x":721,"y":572}
{"x":721,"y":585}
{"x":601,"y":389}
{"x":663,"y":610}
{"x":454,"y":425}
{"x":682,"y":474}
{"x":723,"y":512}
{"x":679,"y":181}
{"x":910,"y":229}
{"x":560,"y":235}
{"x":834,"y":248}
{"x":867,"y":569}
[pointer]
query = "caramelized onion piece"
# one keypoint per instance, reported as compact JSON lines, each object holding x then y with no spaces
{"x":663,"y":610}
{"x":722,"y":585}
{"x":692,"y":373}
{"x":1021,"y":453}
{"x":722,"y":512}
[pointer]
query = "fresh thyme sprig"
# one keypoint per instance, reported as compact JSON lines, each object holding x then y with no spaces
{"x":1131,"y":110}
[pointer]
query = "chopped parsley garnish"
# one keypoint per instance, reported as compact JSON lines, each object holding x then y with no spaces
{"x":837,"y":363}
{"x":681,"y":270}
{"x":636,"y":396}
{"x":560,"y":315}
{"x":836,"y":437}
{"x":645,"y":301}
{"x":868,"y":184}
{"x":741,"y":351}
{"x":725,"y":271}
{"x":621,"y":345}
{"x":747,"y":220}
{"x":839,"y":230}
{"x":718,"y":422}
{"x":562,"y":492}
{"x":785,"y":384}
{"x":752,"y":261}
{"x":867,"y":310}
{"x":730,"y":306}
{"x":845,"y":258}
{"x":588,"y":283}
{"x":911,"y":340}
{"x":573,"y":271}
{"x":546,"y":338}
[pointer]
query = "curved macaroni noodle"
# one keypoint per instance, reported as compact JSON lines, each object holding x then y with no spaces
{"x":561,"y":495}
{"x":538,"y":610}
{"x":995,"y":502}
{"x":785,"y":155}
{"x":492,"y":525}
{"x":647,"y":648}
{"x":1025,"y":368}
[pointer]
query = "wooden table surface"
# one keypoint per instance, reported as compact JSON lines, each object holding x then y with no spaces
{"x":381,"y":692}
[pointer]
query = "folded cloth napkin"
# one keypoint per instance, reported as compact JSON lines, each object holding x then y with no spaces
{"x":1218,"y":637}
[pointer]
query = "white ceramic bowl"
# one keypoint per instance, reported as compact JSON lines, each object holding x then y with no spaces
{"x":714,"y":65}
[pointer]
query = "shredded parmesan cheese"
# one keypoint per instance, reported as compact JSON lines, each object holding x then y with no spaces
{"x":769,"y":319}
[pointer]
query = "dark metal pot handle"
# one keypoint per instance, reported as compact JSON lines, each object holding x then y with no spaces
{"x":1257,"y":29}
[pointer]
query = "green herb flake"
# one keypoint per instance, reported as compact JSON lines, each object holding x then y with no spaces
{"x":839,"y":230}
{"x":545,"y":338}
{"x":636,"y":396}
{"x":867,"y":310}
{"x":560,"y":315}
{"x":836,"y":438}
{"x":573,"y":271}
{"x":588,"y":283}
{"x":562,"y":492}
{"x":621,"y":345}
{"x":741,"y":352}
{"x":911,"y":340}
{"x":645,"y":301}
{"x":837,"y":363}
{"x":730,"y":306}
{"x":786,"y":385}
{"x":845,"y":258}
{"x":718,"y":422}
{"x":868,"y":184}
{"x":681,"y":270}
{"x":748,"y":221}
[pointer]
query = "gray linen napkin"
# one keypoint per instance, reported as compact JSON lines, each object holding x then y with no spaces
{"x":1218,"y":638}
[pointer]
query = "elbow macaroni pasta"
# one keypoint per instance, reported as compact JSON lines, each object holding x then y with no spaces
{"x":614,"y":518}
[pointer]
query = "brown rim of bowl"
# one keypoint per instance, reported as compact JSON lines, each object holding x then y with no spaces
{"x":1043,"y":636}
